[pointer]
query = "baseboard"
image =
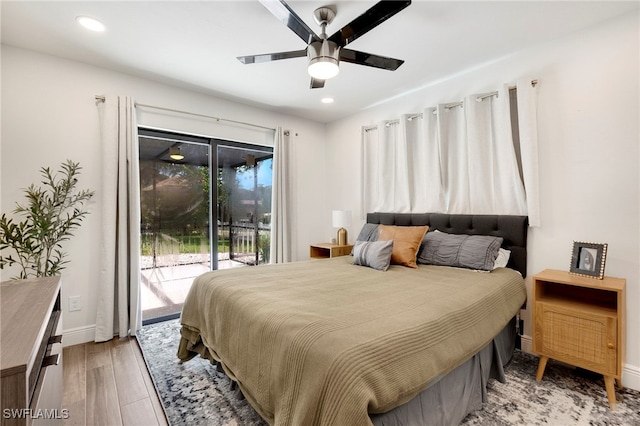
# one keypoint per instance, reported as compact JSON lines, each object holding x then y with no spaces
{"x":78,"y":335}
{"x":526,"y":344}
{"x":631,"y":377}
{"x":630,"y":373}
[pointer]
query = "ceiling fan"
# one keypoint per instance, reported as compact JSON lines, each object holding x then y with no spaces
{"x":325,"y":53}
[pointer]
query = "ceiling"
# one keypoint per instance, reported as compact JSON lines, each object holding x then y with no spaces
{"x":194,"y":45}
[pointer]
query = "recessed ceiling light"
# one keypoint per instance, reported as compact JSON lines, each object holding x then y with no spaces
{"x":327,"y":100}
{"x":90,"y":23}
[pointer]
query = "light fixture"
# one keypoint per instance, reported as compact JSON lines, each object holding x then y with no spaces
{"x":324,"y":57}
{"x":91,"y":24}
{"x":175,"y":154}
{"x":327,"y":100}
{"x":341,"y":218}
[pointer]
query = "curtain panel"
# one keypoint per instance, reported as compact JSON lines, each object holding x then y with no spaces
{"x":118,"y":310}
{"x":454,"y":158}
{"x":528,"y":131}
{"x":280,"y":245}
{"x":369,"y":179}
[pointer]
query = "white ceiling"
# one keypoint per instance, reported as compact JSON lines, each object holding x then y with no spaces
{"x":195,"y":44}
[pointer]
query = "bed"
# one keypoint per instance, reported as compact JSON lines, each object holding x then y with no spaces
{"x":325,"y":342}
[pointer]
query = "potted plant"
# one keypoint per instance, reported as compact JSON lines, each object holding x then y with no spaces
{"x":51,"y":213}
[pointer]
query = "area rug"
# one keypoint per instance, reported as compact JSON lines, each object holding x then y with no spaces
{"x":195,"y":393}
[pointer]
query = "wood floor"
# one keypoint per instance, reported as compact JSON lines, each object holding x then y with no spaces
{"x":109,"y":384}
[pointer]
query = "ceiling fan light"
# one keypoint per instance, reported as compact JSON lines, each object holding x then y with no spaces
{"x":175,"y":154}
{"x":323,"y":59}
{"x":323,"y":69}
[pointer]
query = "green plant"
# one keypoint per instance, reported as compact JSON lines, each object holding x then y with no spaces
{"x":265,"y":248}
{"x":51,"y":213}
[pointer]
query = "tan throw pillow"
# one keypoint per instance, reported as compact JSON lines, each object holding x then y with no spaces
{"x":406,"y":242}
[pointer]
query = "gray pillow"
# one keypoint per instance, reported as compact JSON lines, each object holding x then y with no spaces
{"x":369,"y":232}
{"x":374,"y":254}
{"x":462,"y":251}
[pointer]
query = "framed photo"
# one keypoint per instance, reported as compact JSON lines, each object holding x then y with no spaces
{"x":588,"y":259}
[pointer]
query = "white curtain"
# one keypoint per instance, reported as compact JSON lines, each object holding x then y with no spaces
{"x":454,"y":158}
{"x":394,"y":162}
{"x":493,"y":174}
{"x":386,"y":164}
{"x":423,"y":142}
{"x":118,"y":311}
{"x":528,"y":130}
{"x":451,"y":131}
{"x":370,"y":178}
{"x":281,"y":199}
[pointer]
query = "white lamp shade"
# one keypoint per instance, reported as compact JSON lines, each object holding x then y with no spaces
{"x":341,"y":218}
{"x":323,"y":69}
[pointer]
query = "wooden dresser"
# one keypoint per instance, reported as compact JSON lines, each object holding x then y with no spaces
{"x":580,"y":321}
{"x":31,"y":352}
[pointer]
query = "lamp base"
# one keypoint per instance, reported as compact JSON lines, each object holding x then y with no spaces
{"x":342,"y":237}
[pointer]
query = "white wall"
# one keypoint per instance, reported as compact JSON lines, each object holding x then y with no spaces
{"x":49,"y":114}
{"x":588,"y":114}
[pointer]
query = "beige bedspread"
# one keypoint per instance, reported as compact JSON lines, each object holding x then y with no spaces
{"x":323,"y":342}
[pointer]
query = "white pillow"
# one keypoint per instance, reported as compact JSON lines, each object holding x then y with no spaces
{"x":502,"y":259}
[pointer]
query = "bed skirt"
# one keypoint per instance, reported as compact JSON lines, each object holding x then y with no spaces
{"x":448,"y":399}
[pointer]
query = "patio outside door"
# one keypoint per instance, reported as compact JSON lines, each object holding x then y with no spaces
{"x":182,"y":235}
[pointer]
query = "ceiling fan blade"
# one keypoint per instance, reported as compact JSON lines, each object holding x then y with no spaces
{"x":287,"y":16}
{"x":316,"y":83}
{"x":369,"y":59}
{"x":364,"y":23}
{"x":268,"y":57}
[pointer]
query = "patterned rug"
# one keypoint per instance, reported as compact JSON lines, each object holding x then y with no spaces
{"x":194,"y":393}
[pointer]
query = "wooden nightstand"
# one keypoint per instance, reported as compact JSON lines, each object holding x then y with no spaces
{"x":327,"y":250}
{"x":580,"y":321}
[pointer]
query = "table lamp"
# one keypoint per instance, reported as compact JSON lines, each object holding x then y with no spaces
{"x":341,"y":218}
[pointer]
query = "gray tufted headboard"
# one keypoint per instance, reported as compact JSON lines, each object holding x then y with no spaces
{"x":513,"y":229}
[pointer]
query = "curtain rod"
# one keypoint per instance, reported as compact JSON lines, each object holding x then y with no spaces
{"x":102,"y":99}
{"x":448,"y":106}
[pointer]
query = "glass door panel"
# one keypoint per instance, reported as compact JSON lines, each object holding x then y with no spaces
{"x":243,"y":206}
{"x":175,"y":226}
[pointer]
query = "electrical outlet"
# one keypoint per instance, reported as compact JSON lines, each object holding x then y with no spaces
{"x":74,"y":303}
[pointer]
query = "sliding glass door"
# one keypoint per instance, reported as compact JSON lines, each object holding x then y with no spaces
{"x":205,"y":204}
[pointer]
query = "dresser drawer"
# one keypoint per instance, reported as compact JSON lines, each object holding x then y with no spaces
{"x":46,"y":402}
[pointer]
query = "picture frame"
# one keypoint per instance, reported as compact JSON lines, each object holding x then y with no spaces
{"x":588,"y":259}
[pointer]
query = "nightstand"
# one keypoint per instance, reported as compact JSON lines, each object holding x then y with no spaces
{"x":327,"y":250}
{"x":580,"y":321}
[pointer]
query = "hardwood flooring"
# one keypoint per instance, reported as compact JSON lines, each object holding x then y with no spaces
{"x":109,"y":384}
